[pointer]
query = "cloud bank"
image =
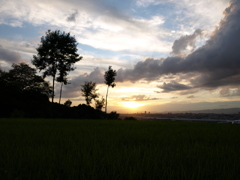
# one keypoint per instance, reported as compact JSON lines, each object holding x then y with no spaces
{"x":138,"y":98}
{"x":215,"y":64}
{"x":184,"y":42}
{"x":9,"y":56}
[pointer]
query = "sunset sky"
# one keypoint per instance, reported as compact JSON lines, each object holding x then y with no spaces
{"x":169,"y":55}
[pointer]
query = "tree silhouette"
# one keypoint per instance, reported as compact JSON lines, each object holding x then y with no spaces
{"x":89,"y":91}
{"x":24,"y":78}
{"x":63,"y":80}
{"x":68,"y":103}
{"x":109,"y":77}
{"x":23,"y":93}
{"x":99,"y":104}
{"x":57,"y":53}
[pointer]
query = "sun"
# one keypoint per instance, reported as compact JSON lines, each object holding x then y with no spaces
{"x":132,"y":104}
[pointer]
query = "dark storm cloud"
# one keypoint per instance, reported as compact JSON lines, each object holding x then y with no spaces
{"x":138,"y":98}
{"x":216,"y":64}
{"x":173,"y":86}
{"x":148,"y":70}
{"x":183,"y":42}
{"x":72,"y":17}
{"x":9,"y":56}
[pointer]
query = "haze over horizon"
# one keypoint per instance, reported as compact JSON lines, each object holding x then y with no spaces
{"x":169,"y":55}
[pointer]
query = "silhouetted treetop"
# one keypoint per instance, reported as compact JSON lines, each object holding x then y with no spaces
{"x":109,"y":77}
{"x":57,"y":54}
{"x":24,"y":78}
{"x":68,"y":103}
{"x":99,"y":104}
{"x":89,"y":91}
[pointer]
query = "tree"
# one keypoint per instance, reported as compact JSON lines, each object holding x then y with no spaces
{"x":109,"y":77}
{"x":89,"y":91}
{"x":99,"y":104}
{"x":23,"y":92}
{"x":57,"y":53}
{"x":23,"y":78}
{"x":63,"y":80}
{"x":68,"y":103}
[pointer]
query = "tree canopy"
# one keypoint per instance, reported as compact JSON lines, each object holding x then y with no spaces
{"x":23,"y":92}
{"x":109,"y":77}
{"x":56,"y":56}
{"x":24,"y":78}
{"x":89,"y":91}
{"x":99,"y":103}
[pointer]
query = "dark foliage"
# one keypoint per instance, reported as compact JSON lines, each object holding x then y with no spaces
{"x":81,"y":111}
{"x":113,"y":115}
{"x":57,"y":54}
{"x":130,"y":118}
{"x":99,"y":104}
{"x":89,"y":91}
{"x":68,"y":103}
{"x":109,"y":77}
{"x":25,"y":94}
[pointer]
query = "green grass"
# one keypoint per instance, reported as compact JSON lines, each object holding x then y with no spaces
{"x":104,"y":149}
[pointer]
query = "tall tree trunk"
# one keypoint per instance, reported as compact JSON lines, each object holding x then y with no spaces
{"x":106,"y":100}
{"x":53,"y":88}
{"x":60,"y":93}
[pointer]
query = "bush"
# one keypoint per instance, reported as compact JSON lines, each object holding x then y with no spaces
{"x":130,"y":118}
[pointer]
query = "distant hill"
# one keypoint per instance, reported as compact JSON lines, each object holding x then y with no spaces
{"x":216,"y":111}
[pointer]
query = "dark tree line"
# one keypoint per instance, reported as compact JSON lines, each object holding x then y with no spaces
{"x":23,"y":93}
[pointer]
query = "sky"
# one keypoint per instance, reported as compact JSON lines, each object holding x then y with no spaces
{"x":169,"y":55}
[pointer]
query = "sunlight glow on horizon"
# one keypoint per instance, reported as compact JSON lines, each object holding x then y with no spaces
{"x":132,"y":104}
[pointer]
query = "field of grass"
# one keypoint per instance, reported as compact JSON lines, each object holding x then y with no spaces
{"x":104,"y":149}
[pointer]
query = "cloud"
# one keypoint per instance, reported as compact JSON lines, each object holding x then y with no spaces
{"x":138,"y":98}
{"x":190,"y":97}
{"x":184,"y":42}
{"x":9,"y":56}
{"x":228,"y":91}
{"x":74,"y":88}
{"x":72,"y":17}
{"x":148,"y":70}
{"x":173,"y":86}
{"x":215,"y":64}
{"x":196,"y":14}
{"x":105,"y":24}
{"x":189,"y":91}
{"x":98,"y":24}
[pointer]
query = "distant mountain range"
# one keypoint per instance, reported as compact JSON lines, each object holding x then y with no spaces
{"x":216,"y":111}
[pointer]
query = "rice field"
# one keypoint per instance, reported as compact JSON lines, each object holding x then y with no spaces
{"x":105,"y":149}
